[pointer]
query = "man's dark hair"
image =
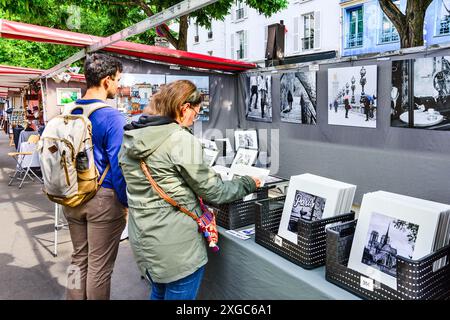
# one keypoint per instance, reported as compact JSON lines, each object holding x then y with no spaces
{"x":98,"y":66}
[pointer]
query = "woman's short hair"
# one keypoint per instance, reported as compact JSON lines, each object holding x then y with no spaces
{"x":168,"y":100}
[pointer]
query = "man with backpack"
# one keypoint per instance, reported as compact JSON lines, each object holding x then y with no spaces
{"x":90,"y":184}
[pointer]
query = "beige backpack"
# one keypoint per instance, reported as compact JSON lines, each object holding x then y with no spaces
{"x":67,"y":157}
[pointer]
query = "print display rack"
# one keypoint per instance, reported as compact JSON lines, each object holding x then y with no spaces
{"x":241,"y":212}
{"x":310,"y":250}
{"x":416,"y":279}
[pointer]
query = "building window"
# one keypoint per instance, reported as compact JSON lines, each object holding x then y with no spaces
{"x":308,"y":31}
{"x":388,"y":31}
{"x":444,"y":18}
{"x":240,"y":10}
{"x":196,"y":36}
{"x":355,"y":27}
{"x":241,"y":52}
{"x":210,"y":34}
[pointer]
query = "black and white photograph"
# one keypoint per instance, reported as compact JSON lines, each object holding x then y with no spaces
{"x":246,"y":139}
{"x":307,"y":207}
{"x":430,"y":108}
{"x":387,"y":238}
{"x":259,"y":97}
{"x":352,"y":96}
{"x":246,"y":157}
{"x":202,"y":84}
{"x":298,"y":97}
{"x":388,"y":226}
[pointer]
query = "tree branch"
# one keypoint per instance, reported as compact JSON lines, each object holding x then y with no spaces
{"x":394,"y":14}
{"x":149,"y":12}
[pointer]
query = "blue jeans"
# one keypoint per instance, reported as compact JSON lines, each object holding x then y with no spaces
{"x":183,"y":289}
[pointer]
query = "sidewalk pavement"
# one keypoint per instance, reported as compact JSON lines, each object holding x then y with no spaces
{"x":28,"y":269}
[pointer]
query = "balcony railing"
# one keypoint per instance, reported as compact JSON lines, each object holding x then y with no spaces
{"x":389,"y":37}
{"x":355,"y":40}
{"x":308,"y":43}
{"x":444,"y":26}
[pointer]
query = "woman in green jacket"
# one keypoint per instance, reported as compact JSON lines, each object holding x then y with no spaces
{"x":166,"y":243}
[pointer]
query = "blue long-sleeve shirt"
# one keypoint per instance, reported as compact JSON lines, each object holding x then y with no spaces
{"x":107,"y":135}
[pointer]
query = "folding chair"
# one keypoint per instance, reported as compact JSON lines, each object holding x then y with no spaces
{"x":60,"y":223}
{"x":26,"y":158}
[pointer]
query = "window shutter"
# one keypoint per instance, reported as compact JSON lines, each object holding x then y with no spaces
{"x":266,"y":33}
{"x":301,"y":33}
{"x":317,"y":31}
{"x":296,"y":34}
{"x":232,"y":45}
{"x":245,"y":11}
{"x":233,"y":10}
{"x":245,"y":45}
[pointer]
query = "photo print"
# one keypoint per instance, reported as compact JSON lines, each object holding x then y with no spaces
{"x":307,"y":207}
{"x":246,"y":139}
{"x":259,"y":97}
{"x":388,"y":237}
{"x":136,"y":90}
{"x":352,"y":96}
{"x":298,"y":97}
{"x":430,"y":108}
{"x":245,"y":157}
{"x":202,"y":84}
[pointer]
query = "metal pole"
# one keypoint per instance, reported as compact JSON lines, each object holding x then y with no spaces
{"x":178,"y":10}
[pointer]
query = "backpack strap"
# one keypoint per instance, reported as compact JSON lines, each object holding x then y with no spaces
{"x":88,"y":109}
{"x":100,"y":182}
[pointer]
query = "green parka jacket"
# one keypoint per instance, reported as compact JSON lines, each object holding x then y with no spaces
{"x":166,"y":242}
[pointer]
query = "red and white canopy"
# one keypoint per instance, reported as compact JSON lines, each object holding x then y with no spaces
{"x":15,"y":78}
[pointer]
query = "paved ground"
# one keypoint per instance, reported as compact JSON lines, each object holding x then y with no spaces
{"x":28,"y":269}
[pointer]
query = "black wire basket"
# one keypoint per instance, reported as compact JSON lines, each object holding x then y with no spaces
{"x":416,"y":279}
{"x":310,"y":250}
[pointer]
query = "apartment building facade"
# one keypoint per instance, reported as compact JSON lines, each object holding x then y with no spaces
{"x":311,"y":27}
{"x":366,"y":29}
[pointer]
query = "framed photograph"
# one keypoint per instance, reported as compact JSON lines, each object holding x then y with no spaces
{"x":210,"y":156}
{"x":67,"y":95}
{"x":246,"y":139}
{"x":298,"y":100}
{"x":246,"y":157}
{"x":430,"y":108}
{"x":202,"y":84}
{"x":352,"y":96}
{"x":136,"y":91}
{"x":388,"y":227}
{"x":259,"y":97}
{"x":308,"y":199}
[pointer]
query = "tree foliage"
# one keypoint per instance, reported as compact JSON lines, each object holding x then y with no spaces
{"x":103,"y":18}
{"x":409,"y":24}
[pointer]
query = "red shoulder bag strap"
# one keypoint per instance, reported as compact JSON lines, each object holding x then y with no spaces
{"x":162,"y":194}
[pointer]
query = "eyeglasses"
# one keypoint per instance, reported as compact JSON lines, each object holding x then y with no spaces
{"x":197,"y":113}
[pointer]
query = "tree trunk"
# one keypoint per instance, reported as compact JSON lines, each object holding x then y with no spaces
{"x":182,"y":34}
{"x":415,"y":18}
{"x":409,"y":25}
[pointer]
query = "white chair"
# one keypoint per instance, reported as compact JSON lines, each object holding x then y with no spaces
{"x":26,"y":159}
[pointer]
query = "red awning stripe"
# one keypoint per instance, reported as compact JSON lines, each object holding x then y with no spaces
{"x":18,"y":30}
